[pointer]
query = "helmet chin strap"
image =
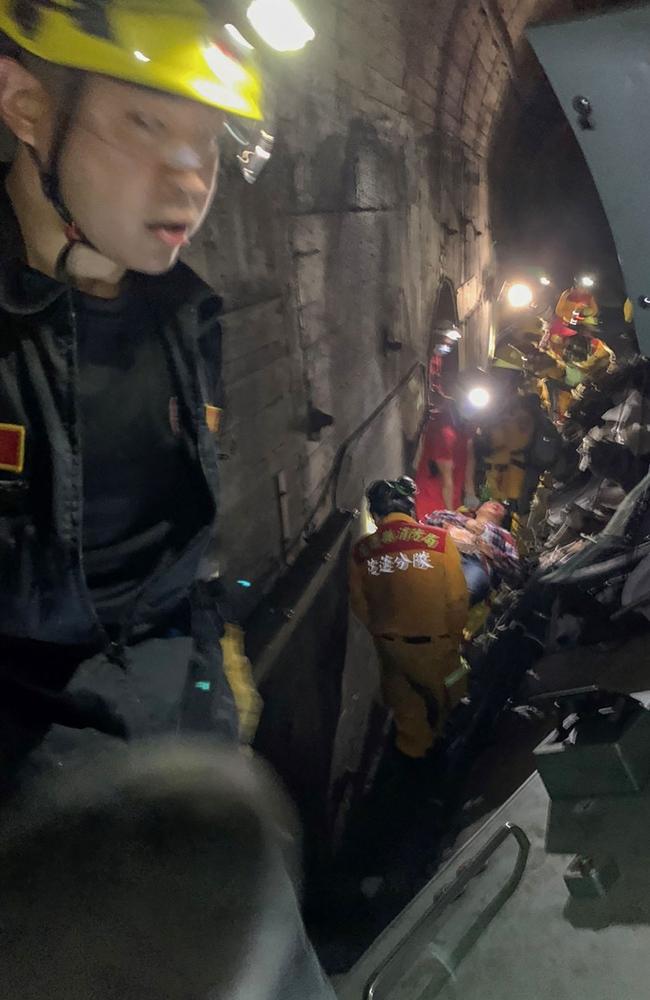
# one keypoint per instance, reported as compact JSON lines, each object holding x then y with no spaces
{"x":61,"y":272}
{"x":49,"y":174}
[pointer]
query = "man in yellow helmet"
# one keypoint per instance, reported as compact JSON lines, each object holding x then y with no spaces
{"x":110,"y":388}
{"x":109,"y":410}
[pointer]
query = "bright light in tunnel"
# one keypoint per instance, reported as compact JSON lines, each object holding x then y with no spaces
{"x":545,"y":281}
{"x":280,"y":24}
{"x":520,"y":296}
{"x":586,"y":281}
{"x":239,"y":38}
{"x":478,"y":397}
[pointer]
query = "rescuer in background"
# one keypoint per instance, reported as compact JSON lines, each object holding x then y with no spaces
{"x":445,"y":461}
{"x":408,"y":589}
{"x":572,"y":342}
{"x":517,"y":444}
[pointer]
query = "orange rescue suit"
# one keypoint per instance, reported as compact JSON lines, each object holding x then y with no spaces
{"x":407,"y":587}
{"x":506,"y":462}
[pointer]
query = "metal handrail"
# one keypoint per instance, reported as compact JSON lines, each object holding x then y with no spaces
{"x":331,"y":481}
{"x":368,"y":422}
{"x":380,"y":977}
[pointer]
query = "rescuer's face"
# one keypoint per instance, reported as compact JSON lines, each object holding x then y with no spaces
{"x":138,"y":172}
{"x":137,"y":168}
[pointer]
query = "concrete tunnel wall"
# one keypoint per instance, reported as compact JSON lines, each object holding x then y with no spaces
{"x":377,"y":195}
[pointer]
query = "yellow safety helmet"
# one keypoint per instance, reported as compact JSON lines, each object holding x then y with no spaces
{"x":192,"y":48}
{"x":575,"y":306}
{"x":210,"y":51}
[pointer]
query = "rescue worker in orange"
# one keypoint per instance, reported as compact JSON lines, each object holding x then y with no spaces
{"x":408,"y":589}
{"x":572,"y":343}
{"x":507,"y":440}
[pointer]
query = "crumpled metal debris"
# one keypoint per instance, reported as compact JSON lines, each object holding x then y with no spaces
{"x":591,"y":523}
{"x":636,"y":591}
{"x":607,"y":452}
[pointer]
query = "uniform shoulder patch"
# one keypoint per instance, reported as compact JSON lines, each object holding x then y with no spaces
{"x":213,"y":418}
{"x":12,"y":447}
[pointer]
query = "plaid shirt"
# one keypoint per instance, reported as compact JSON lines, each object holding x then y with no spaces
{"x":498,"y":538}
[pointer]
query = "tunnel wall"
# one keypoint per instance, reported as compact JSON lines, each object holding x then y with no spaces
{"x":377,"y":193}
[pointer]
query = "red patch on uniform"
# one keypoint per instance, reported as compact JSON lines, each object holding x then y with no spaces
{"x":12,"y":447}
{"x":401,"y":536}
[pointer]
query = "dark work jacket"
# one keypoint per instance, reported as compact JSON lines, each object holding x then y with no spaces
{"x":43,"y":591}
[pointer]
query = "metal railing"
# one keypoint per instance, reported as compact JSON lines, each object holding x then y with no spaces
{"x":396,"y":964}
{"x":329,"y":488}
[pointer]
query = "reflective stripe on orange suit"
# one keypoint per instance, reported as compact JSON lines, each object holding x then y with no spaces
{"x":406,"y":580}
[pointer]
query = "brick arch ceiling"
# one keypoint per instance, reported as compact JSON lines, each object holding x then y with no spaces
{"x":483,"y":57}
